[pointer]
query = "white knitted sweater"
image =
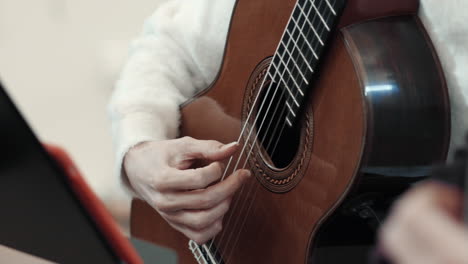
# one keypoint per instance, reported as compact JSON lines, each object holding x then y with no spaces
{"x":180,"y":50}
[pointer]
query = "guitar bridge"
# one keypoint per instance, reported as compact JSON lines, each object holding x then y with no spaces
{"x":205,"y":254}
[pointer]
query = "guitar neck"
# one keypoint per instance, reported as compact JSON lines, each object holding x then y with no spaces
{"x":298,"y":55}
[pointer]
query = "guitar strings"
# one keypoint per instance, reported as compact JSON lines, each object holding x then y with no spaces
{"x":242,"y":132}
{"x":247,"y":121}
{"x":254,"y":194}
{"x":244,"y":128}
{"x":285,"y":109}
{"x":296,"y":25}
{"x":256,"y":186}
{"x":287,"y":45}
{"x":276,"y":108}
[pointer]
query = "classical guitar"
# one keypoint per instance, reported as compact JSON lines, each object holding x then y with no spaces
{"x":334,"y":102}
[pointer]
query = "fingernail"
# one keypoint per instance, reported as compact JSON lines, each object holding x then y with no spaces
{"x":229,"y":145}
{"x":248,"y":173}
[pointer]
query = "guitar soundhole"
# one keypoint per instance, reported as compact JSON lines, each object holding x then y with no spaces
{"x":278,"y":140}
{"x":281,"y":150}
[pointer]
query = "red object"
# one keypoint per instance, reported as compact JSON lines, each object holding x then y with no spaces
{"x":95,"y":207}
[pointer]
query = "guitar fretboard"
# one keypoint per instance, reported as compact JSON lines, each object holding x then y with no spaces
{"x":299,"y":51}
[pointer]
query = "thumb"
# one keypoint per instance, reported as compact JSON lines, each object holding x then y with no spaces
{"x":211,"y":150}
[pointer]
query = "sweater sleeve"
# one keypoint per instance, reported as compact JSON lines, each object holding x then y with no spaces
{"x":177,"y":54}
{"x":449,"y":33}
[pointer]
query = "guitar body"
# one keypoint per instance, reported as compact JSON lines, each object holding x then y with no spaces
{"x":379,"y":102}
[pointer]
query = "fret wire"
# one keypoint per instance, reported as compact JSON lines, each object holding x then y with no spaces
{"x":292,"y":58}
{"x":314,"y":23}
{"x":290,"y":109}
{"x":285,"y":86}
{"x":327,"y":14}
{"x":297,"y":46}
{"x":331,"y":7}
{"x":305,"y":38}
{"x":322,"y":10}
{"x":320,"y":16}
{"x":317,"y":22}
{"x":276,"y":68}
{"x":310,"y":20}
{"x":295,"y":63}
{"x":301,"y":10}
{"x":310,"y":23}
{"x":277,"y":55}
{"x":289,"y":122}
{"x":296,"y":25}
{"x":290,"y":73}
{"x":287,"y":119}
{"x":281,"y":80}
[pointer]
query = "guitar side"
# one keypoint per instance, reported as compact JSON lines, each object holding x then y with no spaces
{"x":282,"y":221}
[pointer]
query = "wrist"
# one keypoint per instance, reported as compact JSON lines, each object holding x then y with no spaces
{"x":125,"y":167}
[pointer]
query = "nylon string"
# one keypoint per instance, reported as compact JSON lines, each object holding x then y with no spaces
{"x":256,"y":186}
{"x":295,"y":27}
{"x":262,"y":105}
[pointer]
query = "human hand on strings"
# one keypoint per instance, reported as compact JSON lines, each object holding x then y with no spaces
{"x":425,"y":228}
{"x":179,"y":178}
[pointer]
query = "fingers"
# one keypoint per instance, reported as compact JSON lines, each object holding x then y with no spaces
{"x":422,"y":227}
{"x":198,"y":219}
{"x":191,"y":179}
{"x":202,"y":198}
{"x":207,"y":149}
{"x":439,"y":195}
{"x":429,"y":238}
{"x":398,"y":243}
{"x":190,"y":200}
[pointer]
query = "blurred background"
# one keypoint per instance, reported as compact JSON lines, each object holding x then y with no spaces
{"x":59,"y":60}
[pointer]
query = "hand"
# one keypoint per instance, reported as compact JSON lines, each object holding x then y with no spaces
{"x":180,"y":179}
{"x":425,"y":228}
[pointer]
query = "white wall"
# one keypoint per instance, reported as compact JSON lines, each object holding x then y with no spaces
{"x":59,"y":60}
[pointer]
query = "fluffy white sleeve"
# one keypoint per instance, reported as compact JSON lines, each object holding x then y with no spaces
{"x":446,"y":23}
{"x":177,"y":54}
